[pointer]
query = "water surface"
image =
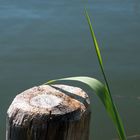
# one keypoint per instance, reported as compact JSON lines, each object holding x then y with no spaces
{"x":42,"y":40}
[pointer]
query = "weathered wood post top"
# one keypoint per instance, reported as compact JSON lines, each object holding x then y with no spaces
{"x":49,"y":112}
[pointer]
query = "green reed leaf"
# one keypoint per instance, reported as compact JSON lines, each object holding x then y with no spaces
{"x":115,"y":115}
{"x":96,"y":48}
{"x":102,"y":92}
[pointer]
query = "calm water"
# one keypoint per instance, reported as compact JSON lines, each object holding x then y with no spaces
{"x":42,"y":40}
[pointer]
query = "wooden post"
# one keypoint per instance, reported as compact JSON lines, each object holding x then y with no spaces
{"x":57,"y":112}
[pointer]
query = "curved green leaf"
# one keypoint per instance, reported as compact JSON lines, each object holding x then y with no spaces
{"x":97,"y":49}
{"x":113,"y":111}
{"x":102,"y":92}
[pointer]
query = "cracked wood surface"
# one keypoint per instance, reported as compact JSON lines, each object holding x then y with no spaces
{"x":56,"y":112}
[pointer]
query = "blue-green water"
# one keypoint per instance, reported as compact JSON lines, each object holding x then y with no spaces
{"x":42,"y":40}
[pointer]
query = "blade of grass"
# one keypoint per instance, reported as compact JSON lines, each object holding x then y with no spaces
{"x":120,"y":128}
{"x":96,"y":48}
{"x":102,"y":92}
{"x":93,"y":83}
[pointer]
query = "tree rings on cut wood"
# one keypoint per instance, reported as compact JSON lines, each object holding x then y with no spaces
{"x":49,"y":112}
